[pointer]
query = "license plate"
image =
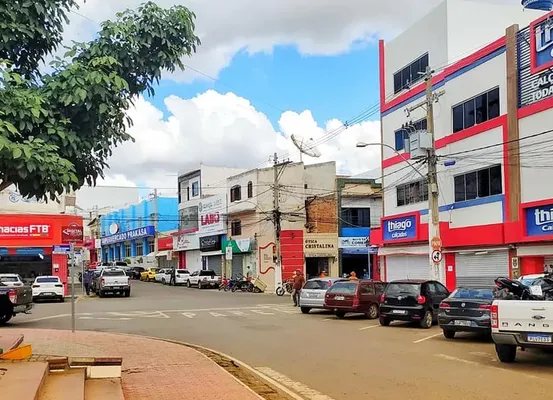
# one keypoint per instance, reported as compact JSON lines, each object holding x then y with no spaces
{"x":115,"y":287}
{"x":539,"y":338}
{"x":398,"y":311}
{"x":462,"y":323}
{"x":339,"y":298}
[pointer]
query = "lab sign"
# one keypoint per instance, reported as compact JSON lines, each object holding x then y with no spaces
{"x":211,"y":212}
{"x":539,"y":220}
{"x":403,"y":228}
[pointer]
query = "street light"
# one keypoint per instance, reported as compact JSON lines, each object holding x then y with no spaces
{"x":363,"y":144}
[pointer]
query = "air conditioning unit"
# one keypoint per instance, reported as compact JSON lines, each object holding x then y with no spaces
{"x":418,"y":144}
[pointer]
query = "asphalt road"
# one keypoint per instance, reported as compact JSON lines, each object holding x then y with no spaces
{"x":316,"y":355}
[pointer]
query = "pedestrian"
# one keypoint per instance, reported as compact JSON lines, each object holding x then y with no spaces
{"x":323,"y":275}
{"x":352,"y":276}
{"x":249,"y":274}
{"x":299,"y":280}
{"x":366,"y":274}
{"x":87,"y":278}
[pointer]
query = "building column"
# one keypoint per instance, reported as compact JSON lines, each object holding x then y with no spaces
{"x":145,"y":249}
{"x":133,"y":248}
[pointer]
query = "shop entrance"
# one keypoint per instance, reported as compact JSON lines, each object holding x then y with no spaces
{"x":315,"y":265}
{"x":27,"y":266}
{"x":355,"y":262}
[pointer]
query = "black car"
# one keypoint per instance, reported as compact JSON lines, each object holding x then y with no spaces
{"x":467,"y":309}
{"x":412,"y":300}
{"x":134,"y":272}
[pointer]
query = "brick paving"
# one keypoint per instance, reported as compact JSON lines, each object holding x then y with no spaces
{"x":152,"y":369}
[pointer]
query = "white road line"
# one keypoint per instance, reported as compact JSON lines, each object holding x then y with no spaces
{"x":43,"y":318}
{"x":107,"y":318}
{"x":284,"y":311}
{"x":301,"y":389}
{"x":329,"y":319}
{"x":217,"y":314}
{"x":188,"y":314}
{"x":480,"y":365}
{"x":368,"y":327}
{"x":238,"y":313}
{"x":262,"y":312}
{"x":427,"y":338}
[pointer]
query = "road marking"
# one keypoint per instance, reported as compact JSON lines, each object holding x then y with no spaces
{"x":368,"y":327}
{"x":107,"y":318}
{"x":43,"y":318}
{"x":469,"y":362}
{"x":330,"y":319}
{"x":239,"y":313}
{"x":217,"y":314}
{"x":188,"y":314}
{"x":427,"y":338}
{"x":285,"y":311}
{"x":262,"y":312}
{"x":297,"y":387}
{"x":143,"y":314}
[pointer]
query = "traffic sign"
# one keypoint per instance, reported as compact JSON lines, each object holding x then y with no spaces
{"x":437,"y":256}
{"x":436,"y":243}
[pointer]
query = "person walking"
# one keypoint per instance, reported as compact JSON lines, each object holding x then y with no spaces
{"x":299,"y":280}
{"x":87,"y":279}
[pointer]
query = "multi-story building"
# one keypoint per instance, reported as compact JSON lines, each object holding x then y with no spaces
{"x":251,"y":230}
{"x":202,"y":221}
{"x":130,"y":232}
{"x":360,"y":203}
{"x":491,"y":137}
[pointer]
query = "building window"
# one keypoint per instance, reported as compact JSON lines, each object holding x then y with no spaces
{"x":236,"y":228}
{"x":151,"y":247}
{"x":195,"y":189}
{"x":127,"y":249}
{"x":410,"y":74}
{"x":250,"y":189}
{"x":411,"y":193}
{"x":403,"y":133}
{"x":235,"y":193}
{"x":139,"y":222}
{"x":356,"y":217}
{"x":139,"y":248}
{"x":477,"y":184}
{"x":474,"y":111}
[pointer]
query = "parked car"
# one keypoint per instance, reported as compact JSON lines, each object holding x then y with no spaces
{"x":94,"y":281}
{"x":14,"y":300}
{"x":11,"y":280}
{"x":413,"y":300}
{"x":354,"y":296}
{"x":134,"y":272}
{"x":48,"y":288}
{"x":148,"y":275}
{"x":203,"y":278}
{"x":179,"y":277}
{"x":160,"y":274}
{"x":122,"y":264}
{"x":312,"y":294}
{"x":168,"y":276}
{"x":467,"y":309}
{"x":113,"y":280}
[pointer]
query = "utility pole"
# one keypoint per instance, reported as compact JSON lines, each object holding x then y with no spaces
{"x":156,"y":223}
{"x":72,"y":269}
{"x":278,"y":168}
{"x":434,"y":239}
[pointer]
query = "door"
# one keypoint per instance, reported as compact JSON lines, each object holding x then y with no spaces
{"x":367,"y":294}
{"x":407,"y":267}
{"x":214,"y":263}
{"x":481,"y":269}
{"x":437,"y":292}
{"x":237,"y":265}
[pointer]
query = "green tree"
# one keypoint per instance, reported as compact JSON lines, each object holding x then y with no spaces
{"x":57,"y":130}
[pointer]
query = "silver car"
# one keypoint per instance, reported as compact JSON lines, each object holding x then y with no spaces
{"x":312,"y":294}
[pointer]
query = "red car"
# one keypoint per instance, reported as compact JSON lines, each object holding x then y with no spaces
{"x":359,"y":296}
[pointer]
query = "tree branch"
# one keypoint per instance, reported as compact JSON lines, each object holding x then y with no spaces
{"x":4,"y":185}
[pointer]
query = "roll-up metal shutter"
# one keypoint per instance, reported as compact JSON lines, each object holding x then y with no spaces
{"x":214,"y":263}
{"x":407,"y":267}
{"x":237,"y":265}
{"x":481,"y":269}
{"x":193,"y":260}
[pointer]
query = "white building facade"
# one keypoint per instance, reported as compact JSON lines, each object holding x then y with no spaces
{"x":488,"y":172}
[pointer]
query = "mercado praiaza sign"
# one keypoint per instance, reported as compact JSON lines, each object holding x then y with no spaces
{"x":129,"y":235}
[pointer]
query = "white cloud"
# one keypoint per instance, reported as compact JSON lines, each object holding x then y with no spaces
{"x":226,"y":130}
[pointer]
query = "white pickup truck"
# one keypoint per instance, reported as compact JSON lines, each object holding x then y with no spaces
{"x":113,"y":280}
{"x":204,"y":278}
{"x":521,"y":323}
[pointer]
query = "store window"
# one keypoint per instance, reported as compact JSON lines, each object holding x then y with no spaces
{"x":195,"y":189}
{"x":478,"y":184}
{"x":403,"y":134}
{"x":356,"y":217}
{"x":411,"y":193}
{"x":409,"y":75}
{"x":151,"y":247}
{"x":127,"y":249}
{"x":235,"y":193}
{"x":250,"y":189}
{"x":236,"y":228}
{"x":474,"y":111}
{"x":139,"y":248}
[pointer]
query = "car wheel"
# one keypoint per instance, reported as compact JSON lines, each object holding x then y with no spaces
{"x":305,"y":310}
{"x":426,"y":322}
{"x":506,"y":353}
{"x":199,"y":285}
{"x":449,"y":334}
{"x":188,"y":283}
{"x":373,"y":311}
{"x":62,"y":299}
{"x":127,"y":293}
{"x":6,"y":312}
{"x":100,"y":293}
{"x":163,"y":282}
{"x":340,"y":314}
{"x":384,"y":321}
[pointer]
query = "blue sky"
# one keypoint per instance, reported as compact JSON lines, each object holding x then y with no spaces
{"x":331,"y":87}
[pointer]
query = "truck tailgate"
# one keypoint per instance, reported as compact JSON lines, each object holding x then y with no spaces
{"x":522,"y":316}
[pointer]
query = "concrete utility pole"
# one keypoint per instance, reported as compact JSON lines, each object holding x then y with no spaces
{"x":434,"y":239}
{"x":278,"y":168}
{"x":156,"y":222}
{"x":72,"y":269}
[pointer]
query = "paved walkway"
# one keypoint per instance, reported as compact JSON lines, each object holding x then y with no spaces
{"x":152,"y":369}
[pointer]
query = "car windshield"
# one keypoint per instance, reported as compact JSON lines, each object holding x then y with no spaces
{"x":317,"y":284}
{"x":182,"y":271}
{"x":208,"y":272}
{"x":403,"y":288}
{"x":473,"y":293}
{"x":528,"y":281}
{"x":343,"y":287}
{"x":120,"y":263}
{"x":115,"y":272}
{"x":9,"y":279}
{"x":47,"y":280}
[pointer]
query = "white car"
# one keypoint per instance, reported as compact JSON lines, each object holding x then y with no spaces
{"x":11,"y":280}
{"x":181,"y":277}
{"x":48,"y":287}
{"x":161,"y":275}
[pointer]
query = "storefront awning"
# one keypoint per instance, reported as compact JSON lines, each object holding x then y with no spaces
{"x":163,"y":253}
{"x":396,"y":250}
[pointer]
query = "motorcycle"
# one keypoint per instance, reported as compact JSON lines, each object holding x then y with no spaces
{"x":509,"y":289}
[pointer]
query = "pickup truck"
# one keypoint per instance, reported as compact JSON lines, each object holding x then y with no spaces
{"x":14,"y":300}
{"x":113,"y":280}
{"x":204,"y":278}
{"x":521,"y":323}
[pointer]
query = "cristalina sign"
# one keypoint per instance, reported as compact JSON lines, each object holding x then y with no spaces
{"x":320,"y":245}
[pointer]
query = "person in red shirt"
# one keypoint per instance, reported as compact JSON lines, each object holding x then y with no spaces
{"x":299,"y":281}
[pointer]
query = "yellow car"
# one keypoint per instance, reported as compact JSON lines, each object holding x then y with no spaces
{"x":148,"y":275}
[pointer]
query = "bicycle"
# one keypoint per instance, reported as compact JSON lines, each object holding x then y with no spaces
{"x":287,"y":287}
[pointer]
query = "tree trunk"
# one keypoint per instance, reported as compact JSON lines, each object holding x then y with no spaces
{"x":4,"y":185}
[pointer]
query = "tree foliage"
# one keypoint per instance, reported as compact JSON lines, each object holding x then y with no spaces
{"x":57,"y":130}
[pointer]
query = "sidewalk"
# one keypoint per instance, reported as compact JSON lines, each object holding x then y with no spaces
{"x":152,"y":369}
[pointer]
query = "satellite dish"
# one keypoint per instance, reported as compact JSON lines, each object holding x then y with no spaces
{"x":306,"y":147}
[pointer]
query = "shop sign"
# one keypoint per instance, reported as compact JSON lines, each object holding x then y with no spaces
{"x":210,"y":243}
{"x":320,"y":246}
{"x":63,"y":249}
{"x":238,"y":245}
{"x":541,"y":45}
{"x":539,"y":220}
{"x":400,"y":228}
{"x":353,"y":242}
{"x":129,"y":235}
{"x":72,"y":233}
{"x":211,"y":212}
{"x":186,"y":242}
{"x":26,"y":231}
{"x":165,"y":243}
{"x":188,"y":219}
